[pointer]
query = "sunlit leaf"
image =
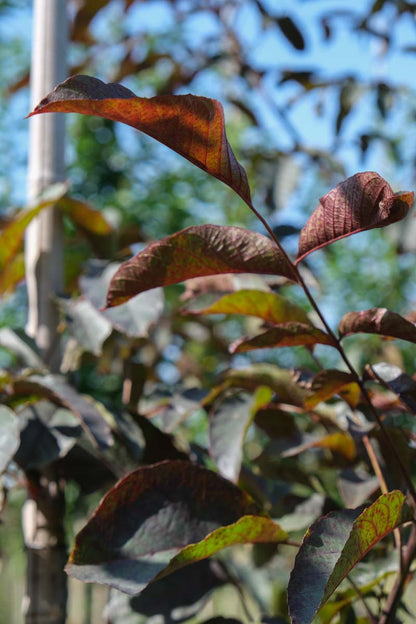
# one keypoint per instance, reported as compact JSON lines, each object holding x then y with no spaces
{"x":190,"y":125}
{"x":330,"y":382}
{"x":378,"y":321}
{"x":281,"y":381}
{"x":341,"y":442}
{"x":11,"y":237}
{"x":84,"y":215}
{"x":268,"y":306}
{"x":9,"y":435}
{"x":149,"y":516}
{"x":284,"y":335}
{"x":333,"y":545}
{"x":362,"y":202}
{"x":247,"y":530}
{"x":12,"y":274}
{"x":193,"y":252}
{"x":56,"y":389}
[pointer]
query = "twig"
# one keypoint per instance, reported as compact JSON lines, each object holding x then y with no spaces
{"x":393,"y":599}
{"x":358,"y":591}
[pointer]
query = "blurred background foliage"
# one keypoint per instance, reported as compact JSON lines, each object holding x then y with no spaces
{"x":313,"y":92}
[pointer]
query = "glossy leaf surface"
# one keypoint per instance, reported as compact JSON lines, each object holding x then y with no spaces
{"x":190,"y":125}
{"x":194,"y":252}
{"x":285,"y":335}
{"x":333,"y":545}
{"x":361,"y":202}
{"x":378,"y":321}
{"x":150,"y":515}
{"x":268,"y":306}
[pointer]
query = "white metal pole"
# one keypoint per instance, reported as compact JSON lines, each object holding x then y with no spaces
{"x":43,"y":250}
{"x":43,"y":511}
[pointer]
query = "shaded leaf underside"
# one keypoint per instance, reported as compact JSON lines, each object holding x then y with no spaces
{"x":150,"y":515}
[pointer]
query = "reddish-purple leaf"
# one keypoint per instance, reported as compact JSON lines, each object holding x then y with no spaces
{"x":194,"y":252}
{"x":362,"y":202}
{"x":150,"y":515}
{"x":284,"y":335}
{"x":333,"y":545}
{"x":192,"y":126}
{"x":378,"y":321}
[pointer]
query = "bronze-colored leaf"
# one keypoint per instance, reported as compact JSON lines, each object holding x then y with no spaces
{"x":362,"y":202}
{"x":193,"y":252}
{"x":378,"y":321}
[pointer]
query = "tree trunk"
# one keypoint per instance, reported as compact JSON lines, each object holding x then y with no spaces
{"x":43,"y":512}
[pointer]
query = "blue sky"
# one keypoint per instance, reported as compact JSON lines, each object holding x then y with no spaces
{"x":345,"y":54}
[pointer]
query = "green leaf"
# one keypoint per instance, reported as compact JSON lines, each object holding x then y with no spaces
{"x":9,"y":435}
{"x":284,"y":335}
{"x":228,"y":425}
{"x":378,"y":321}
{"x":362,"y":202}
{"x":190,"y":125}
{"x":85,"y":216}
{"x":194,"y":252}
{"x":333,"y":545}
{"x":278,"y":379}
{"x":265,"y":305}
{"x":150,"y":515}
{"x":247,"y":530}
{"x":55,"y":388}
{"x":11,"y":237}
{"x":12,"y":273}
